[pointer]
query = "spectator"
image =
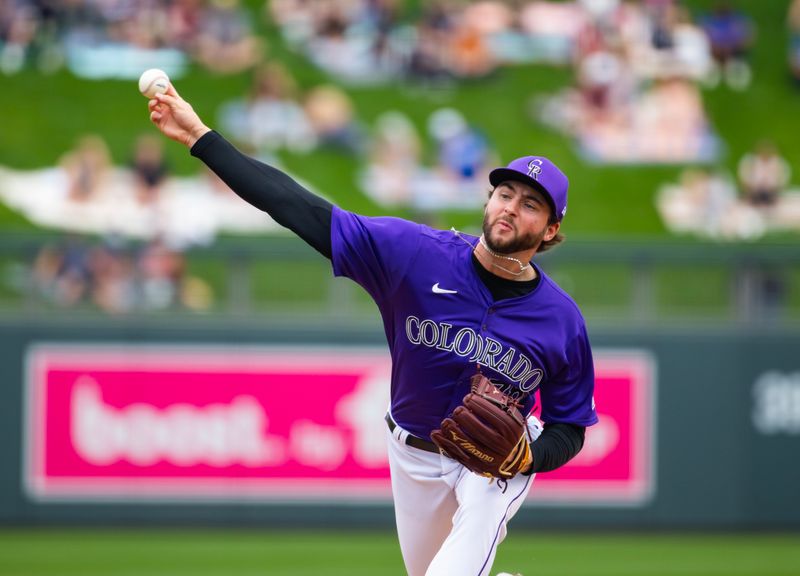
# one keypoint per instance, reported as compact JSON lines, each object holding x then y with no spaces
{"x":462,"y":154}
{"x":18,"y":27}
{"x":226,"y":43}
{"x":332,"y":118}
{"x":48,"y":41}
{"x":393,"y":167}
{"x":701,"y":201}
{"x":731,"y":34}
{"x":603,"y":82}
{"x":61,"y":272}
{"x":113,"y":275}
{"x":352,"y":40}
{"x":88,"y":168}
{"x":662,"y":25}
{"x":427,"y":58}
{"x":469,"y":52}
{"x":678,"y":47}
{"x":150,"y":169}
{"x":298,"y":19}
{"x":463,"y":151}
{"x":269,"y":117}
{"x":139,"y":25}
{"x":793,"y":21}
{"x":774,"y":290}
{"x":672,"y":109}
{"x":427,"y":61}
{"x":183,"y":21}
{"x":691,"y":54}
{"x":160,"y":272}
{"x":763,"y":174}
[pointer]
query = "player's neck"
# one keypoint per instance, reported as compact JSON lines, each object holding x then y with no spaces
{"x":508,"y":266}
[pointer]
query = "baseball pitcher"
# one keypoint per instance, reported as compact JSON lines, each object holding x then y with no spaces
{"x":474,"y":328}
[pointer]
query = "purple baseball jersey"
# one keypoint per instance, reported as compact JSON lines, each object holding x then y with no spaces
{"x":441,"y":323}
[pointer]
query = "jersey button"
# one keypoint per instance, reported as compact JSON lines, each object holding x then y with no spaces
{"x":483,"y":327}
{"x":491,"y":310}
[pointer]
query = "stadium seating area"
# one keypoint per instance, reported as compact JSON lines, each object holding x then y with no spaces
{"x":657,"y":111}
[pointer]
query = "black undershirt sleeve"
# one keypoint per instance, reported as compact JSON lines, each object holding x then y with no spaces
{"x":558,"y":444}
{"x":270,"y":190}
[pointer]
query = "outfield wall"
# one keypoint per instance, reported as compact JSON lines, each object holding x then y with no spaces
{"x":196,"y":422}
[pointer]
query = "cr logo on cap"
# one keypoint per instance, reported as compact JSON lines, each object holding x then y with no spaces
{"x":535,"y":168}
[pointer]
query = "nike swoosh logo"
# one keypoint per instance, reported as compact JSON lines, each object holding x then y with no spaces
{"x":437,"y":290}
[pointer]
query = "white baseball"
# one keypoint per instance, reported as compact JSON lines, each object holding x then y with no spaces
{"x":152,"y":82}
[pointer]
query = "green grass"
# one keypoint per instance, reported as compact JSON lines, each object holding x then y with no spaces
{"x":281,"y":283}
{"x":244,"y":553}
{"x":793,"y":295}
{"x":601,"y":289}
{"x":688,"y":290}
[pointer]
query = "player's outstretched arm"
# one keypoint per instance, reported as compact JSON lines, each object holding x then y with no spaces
{"x":176,"y":118}
{"x":259,"y":184}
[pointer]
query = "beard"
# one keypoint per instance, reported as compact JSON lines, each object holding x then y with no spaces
{"x":518,"y":243}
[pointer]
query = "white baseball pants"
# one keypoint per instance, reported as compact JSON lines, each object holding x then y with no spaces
{"x":449,"y":520}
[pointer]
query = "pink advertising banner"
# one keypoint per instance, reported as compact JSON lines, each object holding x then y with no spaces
{"x":217,"y":423}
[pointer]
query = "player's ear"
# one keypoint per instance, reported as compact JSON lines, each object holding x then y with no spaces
{"x":552,"y":230}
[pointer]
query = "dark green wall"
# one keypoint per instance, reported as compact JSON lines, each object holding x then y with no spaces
{"x":713,"y":467}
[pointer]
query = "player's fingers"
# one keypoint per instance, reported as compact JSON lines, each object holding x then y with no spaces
{"x":155,"y":116}
{"x":172,"y":91}
{"x":168,"y":100}
{"x":160,"y":110}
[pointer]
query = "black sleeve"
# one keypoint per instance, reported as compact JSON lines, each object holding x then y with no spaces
{"x":558,"y":444}
{"x":270,"y":190}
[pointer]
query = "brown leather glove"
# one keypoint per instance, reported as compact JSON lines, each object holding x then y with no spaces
{"x":487,"y":433}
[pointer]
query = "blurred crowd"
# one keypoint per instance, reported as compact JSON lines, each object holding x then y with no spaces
{"x":120,"y":38}
{"x":87,"y":192}
{"x":395,"y":173}
{"x":714,"y":203}
{"x":639,"y":70}
{"x":369,"y":41}
{"x":274,"y":115}
{"x":144,"y":216}
{"x":117,"y":278}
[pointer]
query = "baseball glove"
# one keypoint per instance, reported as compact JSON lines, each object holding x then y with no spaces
{"x":487,"y":433}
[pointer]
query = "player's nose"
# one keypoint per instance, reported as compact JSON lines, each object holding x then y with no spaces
{"x":510,"y":208}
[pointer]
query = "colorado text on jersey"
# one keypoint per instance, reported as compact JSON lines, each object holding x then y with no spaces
{"x":467,"y":343}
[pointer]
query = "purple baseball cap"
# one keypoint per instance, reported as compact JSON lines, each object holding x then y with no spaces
{"x":540,"y":173}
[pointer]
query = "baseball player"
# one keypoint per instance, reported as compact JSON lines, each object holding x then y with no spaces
{"x":454,"y":307}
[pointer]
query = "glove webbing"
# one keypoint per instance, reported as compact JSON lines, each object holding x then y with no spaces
{"x":519,"y":459}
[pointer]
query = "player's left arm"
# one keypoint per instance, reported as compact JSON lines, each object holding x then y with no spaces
{"x":558,"y":444}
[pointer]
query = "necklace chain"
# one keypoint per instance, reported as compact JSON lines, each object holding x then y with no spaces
{"x":522,"y":267}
